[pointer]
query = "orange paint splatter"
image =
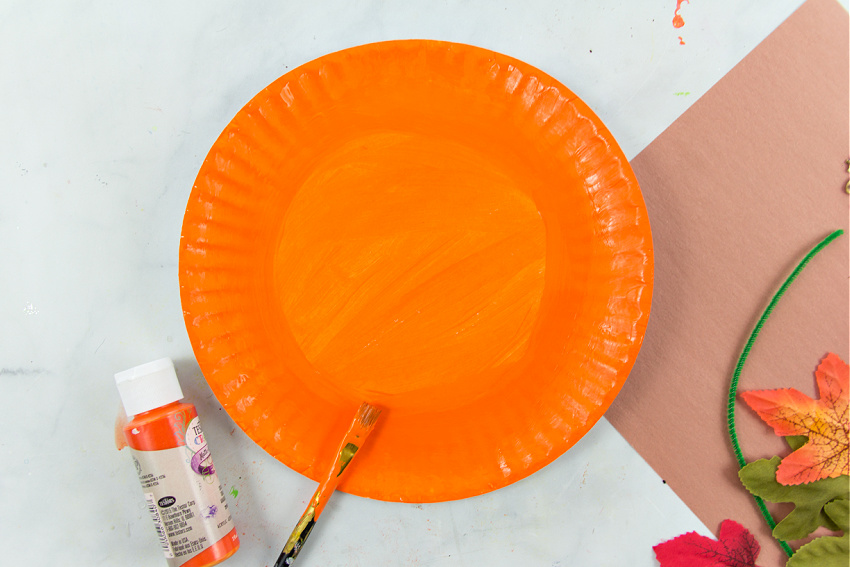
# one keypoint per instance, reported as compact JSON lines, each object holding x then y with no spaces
{"x":678,"y":21}
{"x":681,"y":41}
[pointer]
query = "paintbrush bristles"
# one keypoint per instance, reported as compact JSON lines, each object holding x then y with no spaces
{"x":367,"y":415}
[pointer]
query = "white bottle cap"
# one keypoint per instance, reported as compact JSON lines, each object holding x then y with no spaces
{"x":148,"y":386}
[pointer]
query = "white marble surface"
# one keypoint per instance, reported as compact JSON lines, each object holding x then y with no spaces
{"x":107,"y":110}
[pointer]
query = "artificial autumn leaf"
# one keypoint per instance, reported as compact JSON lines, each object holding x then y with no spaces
{"x":839,"y":512}
{"x":824,"y":421}
{"x":737,"y":548}
{"x":827,"y":551}
{"x":809,"y":499}
{"x":822,"y":552}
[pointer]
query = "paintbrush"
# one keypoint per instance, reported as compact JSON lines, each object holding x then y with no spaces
{"x":360,"y":428}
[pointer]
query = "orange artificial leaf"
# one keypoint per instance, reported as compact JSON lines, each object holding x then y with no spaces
{"x":824,"y":422}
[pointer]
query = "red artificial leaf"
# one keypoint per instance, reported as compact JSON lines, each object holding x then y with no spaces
{"x":824,"y":422}
{"x":737,"y":548}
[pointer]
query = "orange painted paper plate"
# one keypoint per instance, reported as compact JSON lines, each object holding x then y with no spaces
{"x":437,"y":229}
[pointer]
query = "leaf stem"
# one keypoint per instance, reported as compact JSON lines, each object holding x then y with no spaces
{"x":733,"y":387}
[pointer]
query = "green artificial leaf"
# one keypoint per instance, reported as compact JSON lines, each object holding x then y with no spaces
{"x":828,"y":551}
{"x":759,"y":477}
{"x":796,"y":441}
{"x":839,"y":512}
{"x":825,"y":551}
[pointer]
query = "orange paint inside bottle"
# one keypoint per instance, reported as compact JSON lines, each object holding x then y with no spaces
{"x":175,"y":469}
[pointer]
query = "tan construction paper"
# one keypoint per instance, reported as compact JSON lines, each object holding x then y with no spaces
{"x":738,"y":189}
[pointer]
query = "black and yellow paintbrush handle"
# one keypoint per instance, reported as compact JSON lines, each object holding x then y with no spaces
{"x":317,"y":504}
{"x":300,"y":533}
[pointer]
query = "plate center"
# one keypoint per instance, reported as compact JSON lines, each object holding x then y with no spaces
{"x":411,"y":269}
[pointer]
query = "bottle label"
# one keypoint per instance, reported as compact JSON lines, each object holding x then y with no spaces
{"x":184,"y":496}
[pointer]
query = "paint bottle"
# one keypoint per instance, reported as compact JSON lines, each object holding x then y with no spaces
{"x":174,"y":465}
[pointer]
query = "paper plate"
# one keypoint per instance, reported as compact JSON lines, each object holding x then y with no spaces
{"x":437,"y":229}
